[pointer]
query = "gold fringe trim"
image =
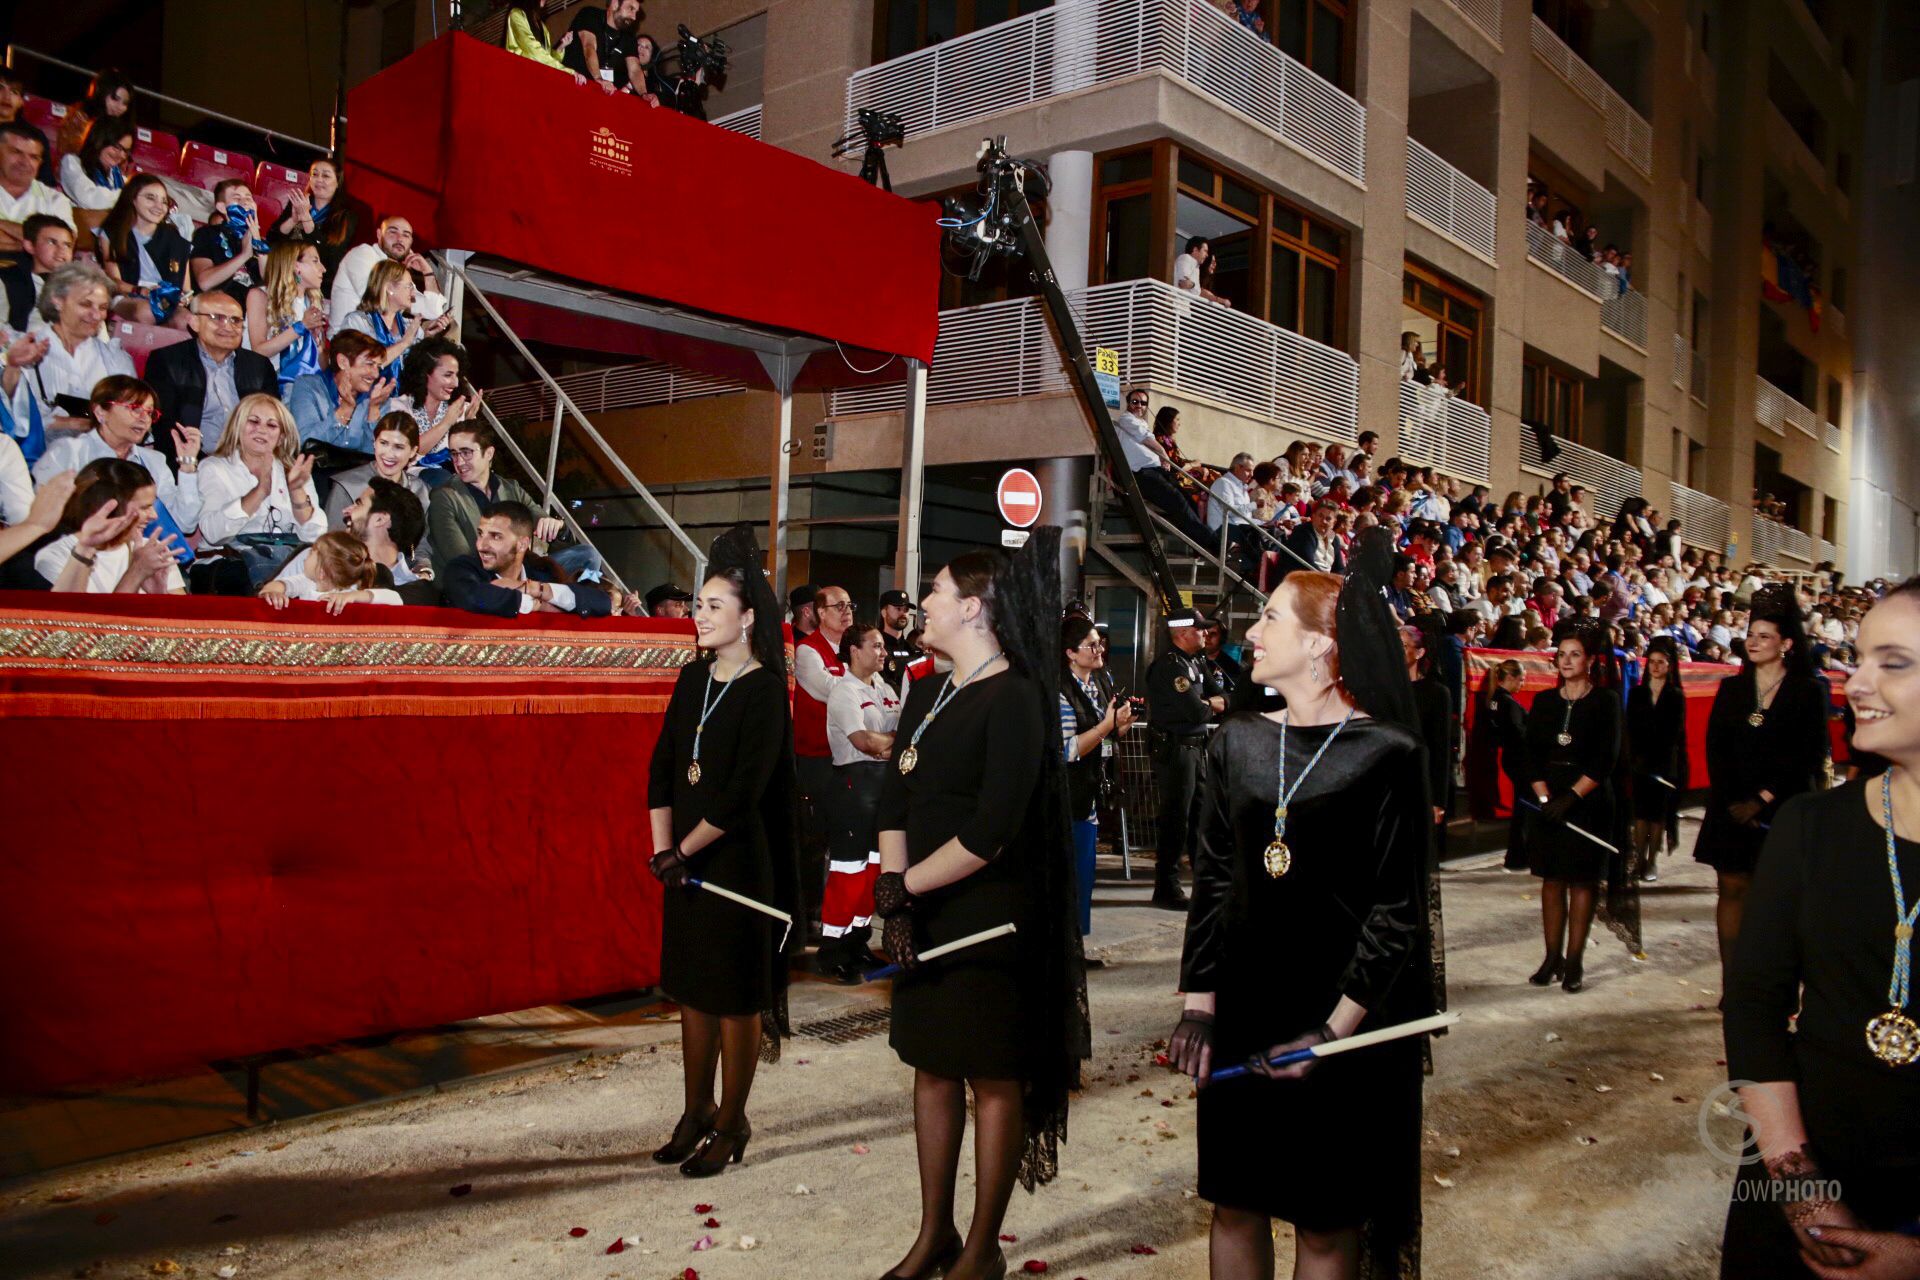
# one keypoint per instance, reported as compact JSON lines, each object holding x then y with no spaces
{"x":81,"y":706}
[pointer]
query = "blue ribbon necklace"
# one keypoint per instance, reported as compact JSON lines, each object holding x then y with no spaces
{"x":911,"y":756}
{"x":1278,"y":857}
{"x":1893,"y":1037}
{"x":706,"y":710}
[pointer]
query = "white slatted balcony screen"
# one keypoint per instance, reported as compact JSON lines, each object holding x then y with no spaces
{"x":1628,"y":132}
{"x":1774,"y":409}
{"x":1448,"y":201}
{"x":1439,"y":430}
{"x":746,"y":120}
{"x":1704,"y":519}
{"x":632,"y":386}
{"x":1625,"y":316}
{"x":1569,"y":263}
{"x":1609,"y":481}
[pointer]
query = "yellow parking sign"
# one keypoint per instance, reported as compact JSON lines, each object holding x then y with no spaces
{"x":1106,"y":360}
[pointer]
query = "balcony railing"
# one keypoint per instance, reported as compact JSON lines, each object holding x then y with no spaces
{"x":1077,"y":44}
{"x":1772,"y":540}
{"x":1830,"y":432}
{"x":1484,"y":14}
{"x":1704,"y":519}
{"x":1682,"y":358}
{"x":1569,"y":263}
{"x":1166,"y":338}
{"x":1447,"y":200}
{"x":1827,"y":552}
{"x":1774,"y":409}
{"x":1627,"y":130}
{"x":629,"y":386}
{"x":746,"y":120}
{"x":1609,"y":481}
{"x":1444,"y":431}
{"x":1625,"y":316}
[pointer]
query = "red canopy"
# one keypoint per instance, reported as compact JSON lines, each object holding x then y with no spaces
{"x":488,"y":152}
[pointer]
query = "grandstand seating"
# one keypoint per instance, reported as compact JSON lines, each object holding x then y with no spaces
{"x":273,"y":184}
{"x":203,"y":165}
{"x":142,"y":340}
{"x":156,"y":151}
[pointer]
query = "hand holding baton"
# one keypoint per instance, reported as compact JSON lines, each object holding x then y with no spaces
{"x":1663,"y":782}
{"x":776,"y":913}
{"x":1579,"y":831}
{"x":1418,"y":1027}
{"x":945,"y":948}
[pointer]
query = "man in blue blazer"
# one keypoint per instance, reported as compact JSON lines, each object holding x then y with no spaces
{"x":498,"y":577}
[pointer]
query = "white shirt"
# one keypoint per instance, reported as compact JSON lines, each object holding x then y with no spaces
{"x":83,"y":191}
{"x":1186,"y":272}
{"x":38,"y":198}
{"x":810,"y":672}
{"x":224,"y":481}
{"x":1134,"y":432}
{"x":16,"y":487}
{"x":350,"y":281}
{"x":1230,"y":496}
{"x":70,"y":453}
{"x":853,"y":705}
{"x":301,"y":587}
{"x":109,"y":565}
{"x":65,"y":373}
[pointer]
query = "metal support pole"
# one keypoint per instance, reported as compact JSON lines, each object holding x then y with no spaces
{"x":913,"y":482}
{"x":781,"y":369}
{"x":553,"y":456}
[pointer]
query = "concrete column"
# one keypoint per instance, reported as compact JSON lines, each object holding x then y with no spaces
{"x":1379,"y":247}
{"x":1070,"y":216}
{"x":1064,"y":486}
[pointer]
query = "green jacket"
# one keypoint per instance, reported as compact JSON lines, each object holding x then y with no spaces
{"x":453,"y":516}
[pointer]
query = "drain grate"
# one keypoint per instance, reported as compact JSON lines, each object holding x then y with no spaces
{"x":845,"y":1028}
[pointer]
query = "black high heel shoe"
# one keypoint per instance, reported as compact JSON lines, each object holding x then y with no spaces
{"x":1550,"y":969}
{"x":942,"y":1258}
{"x":1574,"y":980}
{"x":718,"y":1149}
{"x":687,"y":1135}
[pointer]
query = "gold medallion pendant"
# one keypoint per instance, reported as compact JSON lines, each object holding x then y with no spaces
{"x":1894,"y":1038}
{"x":693,"y":773}
{"x":909,"y":758}
{"x":1279,"y":859}
{"x":1181,"y":684}
{"x":1757,"y":719}
{"x":1564,"y":739}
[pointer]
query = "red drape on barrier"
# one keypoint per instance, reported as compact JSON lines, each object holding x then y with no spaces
{"x":231,"y":831}
{"x":487,"y":151}
{"x":1698,"y":681}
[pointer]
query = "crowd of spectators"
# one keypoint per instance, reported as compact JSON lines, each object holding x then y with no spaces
{"x":1570,"y":227}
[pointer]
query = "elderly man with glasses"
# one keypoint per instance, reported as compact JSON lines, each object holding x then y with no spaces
{"x":817,"y":665}
{"x":198,"y":383}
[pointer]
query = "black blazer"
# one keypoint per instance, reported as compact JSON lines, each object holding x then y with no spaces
{"x":179,"y":382}
{"x":1302,"y":543}
{"x":16,"y":276}
{"x":169,"y":251}
{"x":465,"y":584}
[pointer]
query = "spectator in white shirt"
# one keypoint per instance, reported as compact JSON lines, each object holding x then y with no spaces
{"x":384,"y":314}
{"x":393,"y":242}
{"x":23,"y":148}
{"x":1153,"y":471}
{"x":124,"y":409}
{"x":337,"y":570}
{"x":75,"y":353}
{"x":1190,"y":266}
{"x":257,"y":483}
{"x":103,"y":546}
{"x":16,"y":485}
{"x":93,"y":176}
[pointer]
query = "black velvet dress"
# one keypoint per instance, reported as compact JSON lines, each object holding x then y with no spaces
{"x":1341,"y":1146}
{"x":1785,"y":754}
{"x":1817,"y":939}
{"x":1554,"y":851}
{"x":1656,"y":745}
{"x":970,"y":1015}
{"x":717,"y":956}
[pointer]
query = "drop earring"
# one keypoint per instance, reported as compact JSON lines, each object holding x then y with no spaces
{"x":1313,"y":668}
{"x":746,"y":634}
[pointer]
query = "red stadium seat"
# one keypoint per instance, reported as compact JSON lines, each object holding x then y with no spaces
{"x":203,"y":165}
{"x":45,"y":115}
{"x":142,"y":340}
{"x":273,"y":184}
{"x":156,"y":151}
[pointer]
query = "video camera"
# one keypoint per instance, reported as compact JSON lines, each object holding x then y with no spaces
{"x":979,"y":226}
{"x":702,"y":54}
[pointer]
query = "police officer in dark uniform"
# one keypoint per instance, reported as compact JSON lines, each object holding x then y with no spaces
{"x":896,"y":619}
{"x":1182,"y":697}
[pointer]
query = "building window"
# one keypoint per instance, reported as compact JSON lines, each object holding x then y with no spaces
{"x":1125,"y":210}
{"x":1314,"y":32}
{"x":1447,"y":318}
{"x":1836,"y":401}
{"x":1552,"y":399}
{"x":902,"y":26}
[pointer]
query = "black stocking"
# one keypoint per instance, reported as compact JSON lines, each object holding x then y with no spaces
{"x":1733,"y":899}
{"x":998,"y":1139}
{"x":939,"y":1122}
{"x":739,"y":1055}
{"x":1553,"y":914}
{"x":1581,"y":899}
{"x":700,"y":1050}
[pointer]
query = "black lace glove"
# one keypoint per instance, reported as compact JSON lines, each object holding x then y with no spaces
{"x":1191,"y":1047}
{"x":1745,"y":811}
{"x":669,"y":867}
{"x":1293,"y":1071}
{"x":890,"y":896}
{"x":896,"y":939}
{"x":1560,"y":806}
{"x":1804,"y":1195}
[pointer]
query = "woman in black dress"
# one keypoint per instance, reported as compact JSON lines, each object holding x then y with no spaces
{"x":719,"y":792}
{"x":1573,"y":745}
{"x":1833,"y":1100}
{"x":1656,"y":752}
{"x":1503,"y":721}
{"x":1306,"y":932}
{"x":973,"y":835}
{"x":1766,"y":742}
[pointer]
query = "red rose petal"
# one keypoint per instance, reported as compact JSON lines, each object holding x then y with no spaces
{"x":618,"y":1246}
{"x":577,"y":1232}
{"x":1167,"y":1103}
{"x":711,"y":1222}
{"x":1034,"y":1267}
{"x":1162,"y":1060}
{"x":460,"y":1190}
{"x":689,"y":1274}
{"x":1145,"y":1250}
{"x":703,"y":1208}
{"x":1010,"y":1239}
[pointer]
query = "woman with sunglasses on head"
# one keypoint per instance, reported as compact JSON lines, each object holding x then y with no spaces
{"x":1766,"y":742}
{"x":123,"y":410}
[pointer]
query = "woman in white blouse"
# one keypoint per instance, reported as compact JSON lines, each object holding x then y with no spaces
{"x":93,"y":176}
{"x":256,"y":492}
{"x":103,"y":546}
{"x":386,"y":315}
{"x":72,"y":309}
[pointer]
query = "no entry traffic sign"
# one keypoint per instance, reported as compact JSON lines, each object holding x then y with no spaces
{"x":1018,"y":496}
